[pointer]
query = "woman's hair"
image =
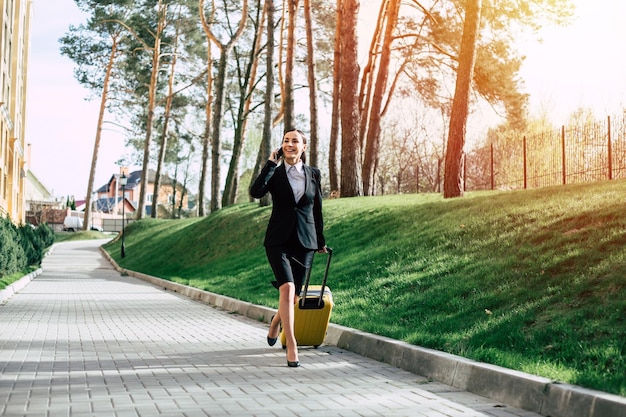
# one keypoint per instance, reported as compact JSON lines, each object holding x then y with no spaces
{"x":304,"y":140}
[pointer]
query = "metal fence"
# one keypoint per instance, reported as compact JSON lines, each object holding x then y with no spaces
{"x":574,"y":154}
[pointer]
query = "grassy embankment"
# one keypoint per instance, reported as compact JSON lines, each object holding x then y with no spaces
{"x":530,"y":280}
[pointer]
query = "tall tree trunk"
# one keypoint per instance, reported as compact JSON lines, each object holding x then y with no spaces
{"x":185,"y":181}
{"x":453,"y":175}
{"x":375,"y":114}
{"x":333,"y":169}
{"x":96,"y":145}
{"x":174,"y":182}
{"x":206,"y":138}
{"x":266,"y":142}
{"x":220,"y":93}
{"x":156,"y":56}
{"x":280,"y":76}
{"x":216,"y":132}
{"x":289,"y":120}
{"x":163,"y":141}
{"x":367,"y":78}
{"x":248,"y":84}
{"x":206,"y":147}
{"x":350,"y":115}
{"x":310,"y":53}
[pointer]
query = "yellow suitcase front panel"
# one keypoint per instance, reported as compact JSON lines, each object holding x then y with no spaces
{"x":311,"y":321}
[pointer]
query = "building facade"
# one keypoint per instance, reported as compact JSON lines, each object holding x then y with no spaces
{"x":171,"y":192}
{"x":15,"y":18}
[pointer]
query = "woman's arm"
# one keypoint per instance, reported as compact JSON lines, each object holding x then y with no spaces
{"x":260,"y":186}
{"x":317,"y":213}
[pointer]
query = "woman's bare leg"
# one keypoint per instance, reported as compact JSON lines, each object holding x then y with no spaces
{"x":274,"y":326}
{"x":285,"y":314}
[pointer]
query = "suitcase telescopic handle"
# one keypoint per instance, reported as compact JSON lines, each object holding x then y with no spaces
{"x":329,"y":251}
{"x":330,"y":256}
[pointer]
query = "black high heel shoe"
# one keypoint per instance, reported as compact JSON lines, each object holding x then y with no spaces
{"x":294,"y":364}
{"x":271,"y":340}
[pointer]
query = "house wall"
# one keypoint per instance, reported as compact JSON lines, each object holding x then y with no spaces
{"x":15,"y":17}
{"x":133,"y":192}
{"x":37,"y":195}
{"x":167,"y":191}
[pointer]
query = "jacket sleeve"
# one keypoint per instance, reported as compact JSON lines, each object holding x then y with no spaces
{"x":260,"y":186}
{"x":317,"y":211}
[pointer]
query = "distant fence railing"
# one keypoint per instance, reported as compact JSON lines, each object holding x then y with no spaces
{"x":115,"y":224}
{"x":586,"y":153}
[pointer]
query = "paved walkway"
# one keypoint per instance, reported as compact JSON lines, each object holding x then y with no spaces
{"x":81,"y":340}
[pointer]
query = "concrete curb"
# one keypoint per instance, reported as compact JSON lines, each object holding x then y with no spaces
{"x":16,"y":286}
{"x":518,"y":389}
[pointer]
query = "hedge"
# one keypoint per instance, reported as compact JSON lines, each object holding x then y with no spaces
{"x":22,"y":246}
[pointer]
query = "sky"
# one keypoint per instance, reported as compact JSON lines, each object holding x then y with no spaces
{"x":582,"y":65}
{"x":61,"y":124}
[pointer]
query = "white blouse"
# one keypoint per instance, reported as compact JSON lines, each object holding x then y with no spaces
{"x":295,"y":175}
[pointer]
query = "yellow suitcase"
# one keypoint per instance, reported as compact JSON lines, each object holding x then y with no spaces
{"x":312,"y":312}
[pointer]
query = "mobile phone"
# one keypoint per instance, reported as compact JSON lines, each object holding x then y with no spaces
{"x":279,"y":153}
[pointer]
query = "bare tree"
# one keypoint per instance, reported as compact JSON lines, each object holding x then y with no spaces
{"x":219,"y":95}
{"x":208,"y":110}
{"x":96,"y":145}
{"x":266,"y":142}
{"x":95,"y":47}
{"x":374,"y":112}
{"x":310,"y":59}
{"x":156,"y":57}
{"x":289,"y":119}
{"x":164,"y":133}
{"x":333,"y":151}
{"x":247,"y":66}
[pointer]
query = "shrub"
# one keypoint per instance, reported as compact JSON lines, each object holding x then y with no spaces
{"x":12,"y":256}
{"x":32,"y":244}
{"x":46,"y":233}
{"x":22,"y":246}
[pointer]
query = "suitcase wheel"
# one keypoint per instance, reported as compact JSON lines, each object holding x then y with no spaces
{"x":284,"y":347}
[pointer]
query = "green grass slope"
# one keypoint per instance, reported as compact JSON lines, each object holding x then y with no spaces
{"x":530,"y":280}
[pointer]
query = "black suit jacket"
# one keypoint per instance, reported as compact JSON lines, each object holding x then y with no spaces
{"x":305,"y":216}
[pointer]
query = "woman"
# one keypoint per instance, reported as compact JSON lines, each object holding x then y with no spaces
{"x":294,"y":231}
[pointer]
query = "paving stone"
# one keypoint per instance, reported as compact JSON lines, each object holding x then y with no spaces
{"x":82,"y":340}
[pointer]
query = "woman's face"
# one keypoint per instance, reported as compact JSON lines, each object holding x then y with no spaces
{"x":293,"y":146}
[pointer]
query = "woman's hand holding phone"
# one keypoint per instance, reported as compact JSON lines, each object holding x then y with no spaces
{"x":276,"y":154}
